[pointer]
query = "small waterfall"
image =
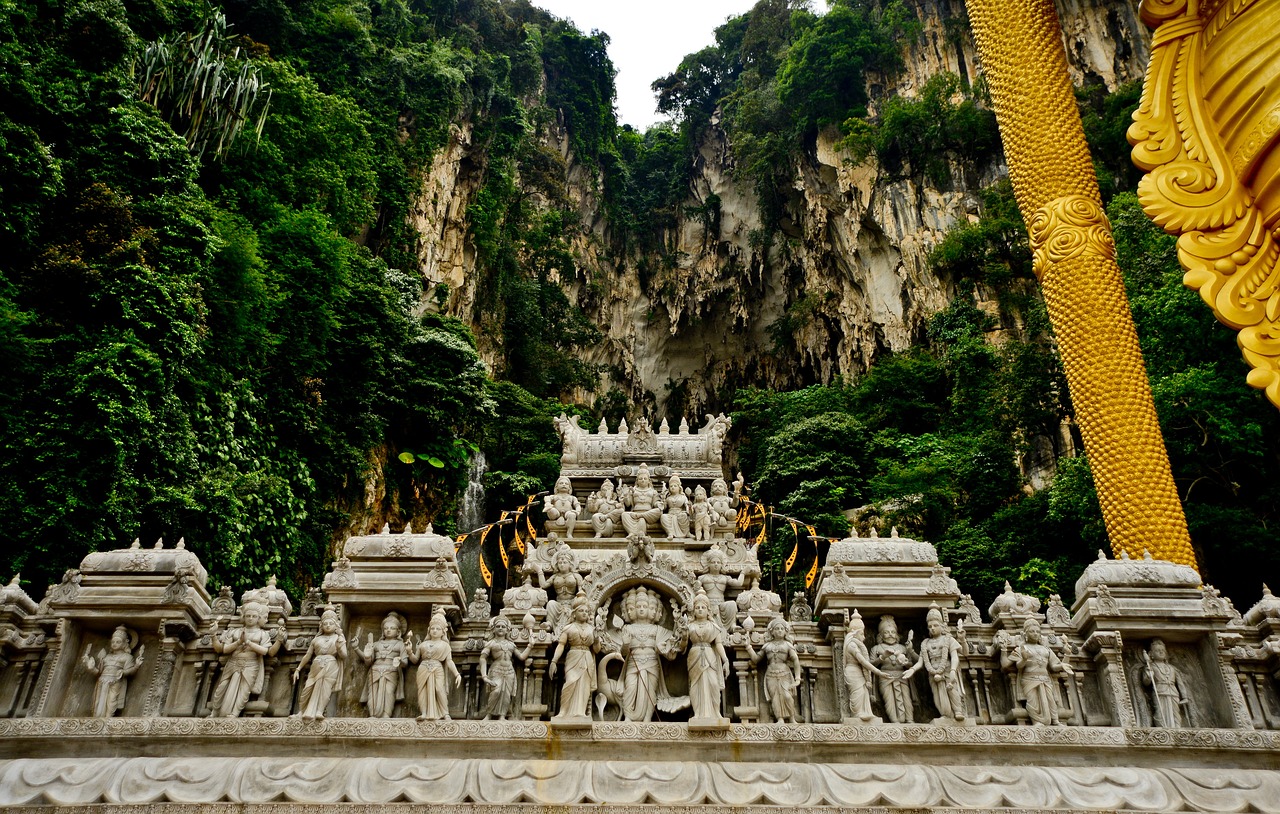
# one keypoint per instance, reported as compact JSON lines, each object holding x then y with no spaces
{"x":471,"y":507}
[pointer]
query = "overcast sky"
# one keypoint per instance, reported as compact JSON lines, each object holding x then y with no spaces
{"x":648,"y":38}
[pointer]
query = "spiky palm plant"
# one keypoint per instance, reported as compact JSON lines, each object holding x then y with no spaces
{"x":204,"y":87}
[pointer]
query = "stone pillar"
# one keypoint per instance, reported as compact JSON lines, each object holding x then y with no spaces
{"x":531,"y":706}
{"x":835,"y":637}
{"x":162,"y":674}
{"x":748,"y":709}
{"x":48,"y":668}
{"x":1107,"y":648}
{"x":1224,"y":644}
{"x":1073,"y":255}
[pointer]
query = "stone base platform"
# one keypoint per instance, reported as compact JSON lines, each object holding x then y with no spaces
{"x":163,"y":765}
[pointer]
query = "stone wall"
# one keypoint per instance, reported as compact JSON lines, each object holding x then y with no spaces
{"x":883,"y":685}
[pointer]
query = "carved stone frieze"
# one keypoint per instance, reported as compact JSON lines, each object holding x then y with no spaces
{"x":448,"y":782}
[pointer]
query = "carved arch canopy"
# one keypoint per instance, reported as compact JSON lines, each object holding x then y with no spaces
{"x":1206,"y":133}
{"x":664,"y":575}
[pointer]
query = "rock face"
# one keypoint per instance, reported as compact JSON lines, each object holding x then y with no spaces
{"x":846,"y":279}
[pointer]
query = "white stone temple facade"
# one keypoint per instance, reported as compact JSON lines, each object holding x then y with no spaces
{"x":638,"y":664}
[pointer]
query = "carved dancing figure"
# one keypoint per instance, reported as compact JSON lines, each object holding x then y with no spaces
{"x":1035,"y":664}
{"x":1169,"y":690}
{"x":326,"y":654}
{"x":434,"y":657}
{"x":715,"y":582}
{"x":940,"y":659}
{"x":242,"y":673}
{"x":702,"y":517}
{"x":562,"y":507}
{"x":641,"y":501}
{"x":858,"y":670}
{"x":500,"y":675}
{"x":387,"y":658}
{"x":645,"y":643}
{"x":782,"y":675}
{"x":113,"y":670}
{"x":606,"y":510}
{"x":675,"y":516}
{"x":707,"y":662}
{"x":893,"y":658}
{"x":579,"y":662}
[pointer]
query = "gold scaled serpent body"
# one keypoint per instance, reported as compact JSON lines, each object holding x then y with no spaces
{"x":1073,"y":255}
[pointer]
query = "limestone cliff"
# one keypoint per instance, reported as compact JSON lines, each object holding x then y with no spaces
{"x":846,"y":280}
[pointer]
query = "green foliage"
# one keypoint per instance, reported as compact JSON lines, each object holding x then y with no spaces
{"x":823,"y":78}
{"x":918,"y":136}
{"x":315,"y":152}
{"x":992,"y":251}
{"x":580,"y":85}
{"x":816,"y":466}
{"x":1106,"y":117}
{"x":207,"y":91}
{"x":520,"y":446}
{"x":201,"y":349}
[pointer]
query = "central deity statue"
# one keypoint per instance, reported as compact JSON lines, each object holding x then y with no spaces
{"x":644,"y":643}
{"x":642,"y":504}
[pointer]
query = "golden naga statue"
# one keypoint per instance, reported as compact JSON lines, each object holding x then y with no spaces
{"x":1020,"y":42}
{"x":1205,"y":134}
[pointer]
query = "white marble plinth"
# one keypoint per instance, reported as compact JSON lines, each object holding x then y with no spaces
{"x":707,"y":724}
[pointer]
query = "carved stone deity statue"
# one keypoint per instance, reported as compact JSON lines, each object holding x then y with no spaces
{"x":644,"y":643}
{"x":1035,"y":664}
{"x":722,"y":504}
{"x":782,"y":674}
{"x":606,"y":509}
{"x":579,"y":662}
{"x":940,"y":659}
{"x":708,"y":665}
{"x":497,"y":669}
{"x":562,"y":507}
{"x":702,"y":517}
{"x":387,"y":658}
{"x":714,"y":582}
{"x":675,"y":517}
{"x":326,"y":654}
{"x":642,"y":504}
{"x":893,"y":657}
{"x":113,"y":670}
{"x":242,"y":673}
{"x":1169,"y":690}
{"x":565,"y":582}
{"x":434,"y":658}
{"x":858,"y":671}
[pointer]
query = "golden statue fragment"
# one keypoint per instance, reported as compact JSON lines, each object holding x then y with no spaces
{"x":1205,"y":135}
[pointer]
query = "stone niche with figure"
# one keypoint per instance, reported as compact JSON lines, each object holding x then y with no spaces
{"x":637,"y":658}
